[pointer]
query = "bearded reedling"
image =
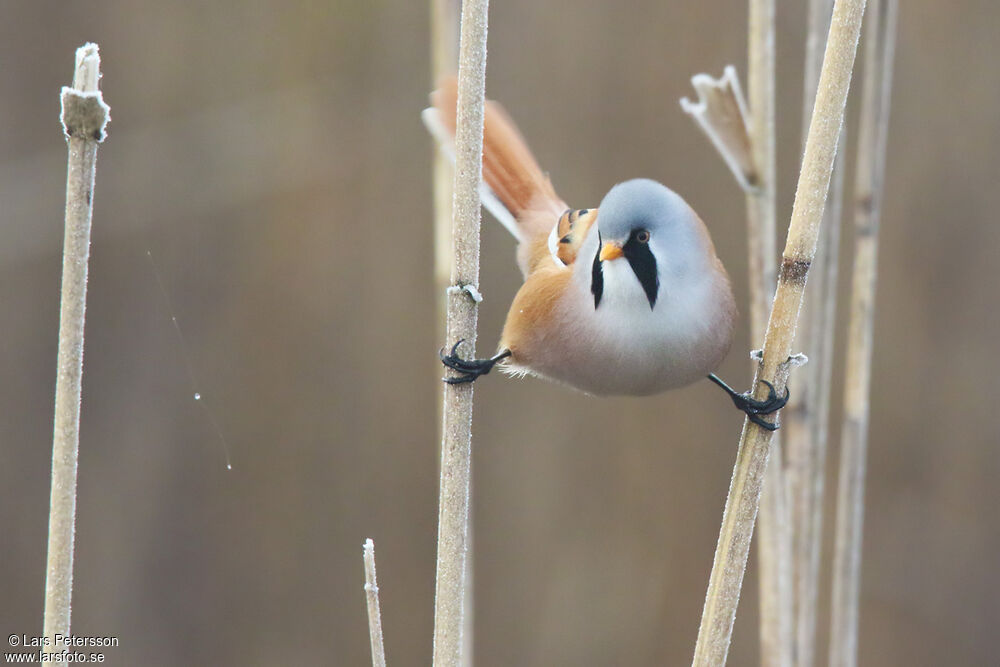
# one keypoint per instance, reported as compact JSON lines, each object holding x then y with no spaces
{"x":628,"y":298}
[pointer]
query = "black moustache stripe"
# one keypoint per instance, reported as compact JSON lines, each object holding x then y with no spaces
{"x":597,"y":275}
{"x":643,"y":264}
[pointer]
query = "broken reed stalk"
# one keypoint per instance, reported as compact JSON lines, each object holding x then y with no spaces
{"x":84,"y":118}
{"x":453,"y":510}
{"x":738,"y":518}
{"x":374,"y":613}
{"x":774,"y":541}
{"x":807,"y":414}
{"x":868,"y":196}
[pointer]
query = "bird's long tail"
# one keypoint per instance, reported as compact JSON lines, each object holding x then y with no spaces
{"x":517,"y":192}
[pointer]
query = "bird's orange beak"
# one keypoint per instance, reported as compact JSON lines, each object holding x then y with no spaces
{"x":611,"y":250}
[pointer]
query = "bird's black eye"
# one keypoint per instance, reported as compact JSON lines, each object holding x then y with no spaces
{"x":642,"y":236}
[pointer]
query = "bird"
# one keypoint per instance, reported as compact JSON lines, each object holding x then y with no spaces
{"x":625,"y":298}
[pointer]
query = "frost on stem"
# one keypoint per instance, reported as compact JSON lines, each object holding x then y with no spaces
{"x":462,"y":312}
{"x":85,"y":114}
{"x":374,"y":613}
{"x":721,"y":113}
{"x":471,"y":290}
{"x":84,"y":118}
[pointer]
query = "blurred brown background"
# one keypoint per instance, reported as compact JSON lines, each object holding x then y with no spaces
{"x":270,"y":157}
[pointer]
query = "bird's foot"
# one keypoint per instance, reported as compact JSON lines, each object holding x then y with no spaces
{"x":469,"y":369}
{"x":752,"y":407}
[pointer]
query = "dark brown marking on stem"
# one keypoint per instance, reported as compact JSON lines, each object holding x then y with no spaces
{"x":794,"y":270}
{"x":865,"y":204}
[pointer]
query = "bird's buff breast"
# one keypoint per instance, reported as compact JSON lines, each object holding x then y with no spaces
{"x":623,"y":347}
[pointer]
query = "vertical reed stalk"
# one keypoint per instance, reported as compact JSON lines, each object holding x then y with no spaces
{"x":774,"y":545}
{"x":453,"y":516}
{"x":84,"y":118}
{"x":444,"y":60}
{"x":868,"y":190}
{"x":374,"y":613}
{"x":808,"y":424}
{"x":722,"y":598}
{"x":807,"y":418}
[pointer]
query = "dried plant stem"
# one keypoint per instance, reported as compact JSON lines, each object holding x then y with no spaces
{"x":374,"y":613}
{"x":84,"y":118}
{"x":774,"y":555}
{"x":807,"y":414}
{"x":761,"y":197}
{"x":453,"y":516}
{"x":774,"y":541}
{"x":444,"y":60}
{"x":722,"y":597}
{"x":807,"y":423}
{"x":868,"y":190}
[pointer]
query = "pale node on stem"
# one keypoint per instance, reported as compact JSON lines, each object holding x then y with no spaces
{"x":873,"y":133}
{"x":374,"y":613}
{"x":721,"y":113}
{"x":462,"y":313}
{"x":84,"y":118}
{"x":726,"y":580}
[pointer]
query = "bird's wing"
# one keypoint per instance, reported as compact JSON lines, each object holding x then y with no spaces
{"x":570,"y":231}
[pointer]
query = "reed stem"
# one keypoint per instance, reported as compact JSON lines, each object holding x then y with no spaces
{"x":868,"y":195}
{"x":807,"y":414}
{"x":374,"y":613}
{"x":84,"y":118}
{"x":453,"y":516}
{"x":723,"y":593}
{"x":774,"y":541}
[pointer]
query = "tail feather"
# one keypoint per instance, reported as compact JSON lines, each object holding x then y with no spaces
{"x":509,"y":168}
{"x":445,"y":139}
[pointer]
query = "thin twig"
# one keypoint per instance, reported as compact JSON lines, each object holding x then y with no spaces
{"x":374,"y":613}
{"x":868,"y":195}
{"x":84,"y":119}
{"x":722,"y":597}
{"x":453,"y":516}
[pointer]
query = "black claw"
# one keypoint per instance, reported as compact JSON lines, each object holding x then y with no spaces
{"x":762,"y":423}
{"x":469,"y":369}
{"x":753,"y":407}
{"x":770,"y":404}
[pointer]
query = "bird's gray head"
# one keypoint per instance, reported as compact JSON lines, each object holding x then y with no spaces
{"x":655,"y":231}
